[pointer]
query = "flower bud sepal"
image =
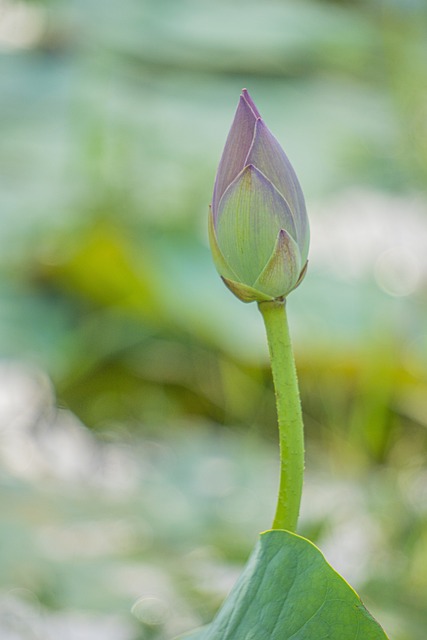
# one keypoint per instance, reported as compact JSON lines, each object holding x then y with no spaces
{"x":275,"y":281}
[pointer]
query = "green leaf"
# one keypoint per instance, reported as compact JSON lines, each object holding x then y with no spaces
{"x":288,"y":591}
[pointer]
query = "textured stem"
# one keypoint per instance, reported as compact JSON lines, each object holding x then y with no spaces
{"x":288,"y":413}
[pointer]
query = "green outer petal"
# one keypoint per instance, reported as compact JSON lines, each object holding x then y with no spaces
{"x":268,"y":156}
{"x":221,"y":265}
{"x":301,"y":276}
{"x":282,"y":271}
{"x":250,"y":215}
{"x":246,"y":293}
{"x":197,"y":634}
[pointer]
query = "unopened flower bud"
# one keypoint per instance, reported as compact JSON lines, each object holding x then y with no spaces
{"x":258,"y":225}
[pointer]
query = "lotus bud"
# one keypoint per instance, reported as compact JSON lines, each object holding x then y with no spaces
{"x":258,"y":225}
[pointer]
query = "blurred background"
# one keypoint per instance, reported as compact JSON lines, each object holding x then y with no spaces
{"x":138,"y":444}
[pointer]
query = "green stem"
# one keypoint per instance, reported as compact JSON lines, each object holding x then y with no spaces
{"x":289,"y":415}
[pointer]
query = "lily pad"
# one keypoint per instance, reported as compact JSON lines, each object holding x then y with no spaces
{"x":288,"y":591}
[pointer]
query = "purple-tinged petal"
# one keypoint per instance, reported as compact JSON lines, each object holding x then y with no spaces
{"x":245,"y":293}
{"x":250,"y":215}
{"x":282,"y":271}
{"x":251,"y":103}
{"x":268,"y":156}
{"x":236,"y":149}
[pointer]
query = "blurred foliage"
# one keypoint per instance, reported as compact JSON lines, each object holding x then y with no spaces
{"x":113,"y":119}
